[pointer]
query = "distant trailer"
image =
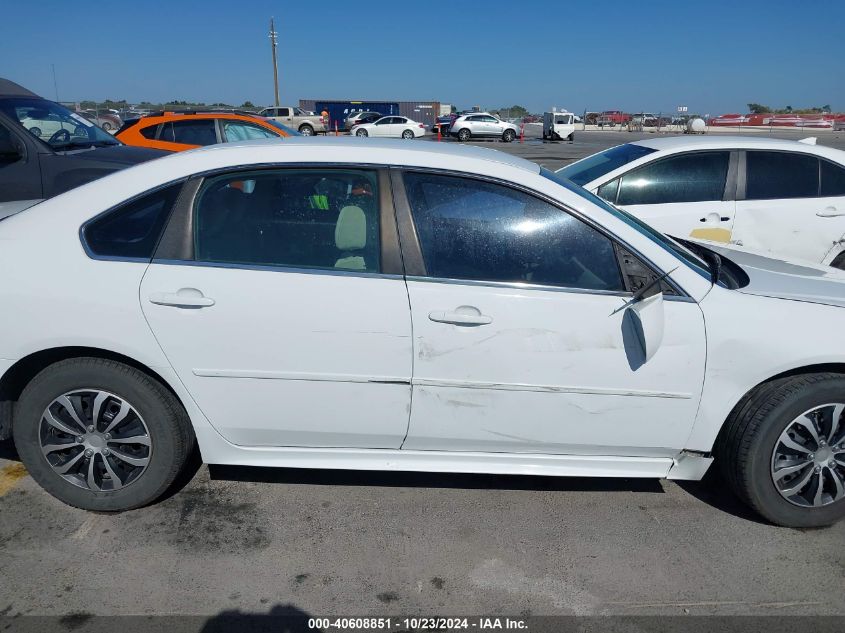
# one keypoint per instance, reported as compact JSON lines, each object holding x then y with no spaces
{"x":558,"y":126}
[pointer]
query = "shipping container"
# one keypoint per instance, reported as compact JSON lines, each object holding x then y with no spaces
{"x":425,"y":112}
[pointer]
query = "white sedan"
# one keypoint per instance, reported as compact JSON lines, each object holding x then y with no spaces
{"x":390,"y":127}
{"x":772,"y":196}
{"x":380,"y":306}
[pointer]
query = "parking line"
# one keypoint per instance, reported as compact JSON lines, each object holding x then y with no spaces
{"x":10,"y":475}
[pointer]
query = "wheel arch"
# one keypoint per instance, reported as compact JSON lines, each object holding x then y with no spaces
{"x":21,"y":373}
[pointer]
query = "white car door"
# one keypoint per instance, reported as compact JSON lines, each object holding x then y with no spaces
{"x":793,"y":206}
{"x":281,"y":322}
{"x":522,"y":341}
{"x":381,"y":127}
{"x":684,"y":195}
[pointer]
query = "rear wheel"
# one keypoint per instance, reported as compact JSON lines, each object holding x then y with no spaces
{"x":783,"y":450}
{"x":306,"y":130}
{"x":508,"y":136}
{"x":106,"y":126}
{"x":408,"y":134}
{"x":35,"y":130}
{"x":101,"y":435}
{"x":464,"y":135}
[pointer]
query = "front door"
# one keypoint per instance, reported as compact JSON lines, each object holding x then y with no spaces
{"x":521,"y":339}
{"x":794,"y":206}
{"x":685,"y":195}
{"x":20,"y":173}
{"x":281,"y":324}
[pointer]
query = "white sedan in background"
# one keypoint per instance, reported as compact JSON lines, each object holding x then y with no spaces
{"x":779,"y":197}
{"x":391,"y":307}
{"x":390,"y":127}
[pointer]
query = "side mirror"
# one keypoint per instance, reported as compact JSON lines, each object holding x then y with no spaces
{"x":648,"y":320}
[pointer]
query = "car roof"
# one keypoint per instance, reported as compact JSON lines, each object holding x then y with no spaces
{"x":11,"y":89}
{"x":718,"y":141}
{"x":363,"y":151}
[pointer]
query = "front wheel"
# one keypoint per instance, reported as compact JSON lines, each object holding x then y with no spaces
{"x":464,"y":135}
{"x":106,"y":126}
{"x":408,"y":134}
{"x":101,"y":435}
{"x":783,"y":450}
{"x":306,"y":130}
{"x":508,"y":136}
{"x":361,"y":133}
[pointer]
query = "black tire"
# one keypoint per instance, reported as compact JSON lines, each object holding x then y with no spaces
{"x":408,"y":135}
{"x":509,"y":136}
{"x":464,"y":135}
{"x":747,"y":441}
{"x":571,"y":137}
{"x":106,"y":126}
{"x":170,"y":432}
{"x":306,"y":130}
{"x":361,"y":133}
{"x":839,"y":261}
{"x":36,"y":131}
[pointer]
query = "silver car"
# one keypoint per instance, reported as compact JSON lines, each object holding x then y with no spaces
{"x":482,"y":125}
{"x":358,"y":118}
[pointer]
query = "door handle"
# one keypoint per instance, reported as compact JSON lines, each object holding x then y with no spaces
{"x":830,"y":212}
{"x":713,"y":216}
{"x":460,"y":318}
{"x":184,"y":298}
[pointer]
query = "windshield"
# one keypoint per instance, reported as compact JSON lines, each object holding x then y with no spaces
{"x":283,"y":128}
{"x":664,"y":241}
{"x":55,"y":124}
{"x":597,"y":165}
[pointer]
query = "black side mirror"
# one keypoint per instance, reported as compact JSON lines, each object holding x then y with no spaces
{"x":10,"y":151}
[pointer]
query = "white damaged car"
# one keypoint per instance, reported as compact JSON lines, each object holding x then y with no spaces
{"x":394,"y":306}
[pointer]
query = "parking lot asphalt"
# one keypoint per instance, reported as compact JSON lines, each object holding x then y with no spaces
{"x":318,"y":543}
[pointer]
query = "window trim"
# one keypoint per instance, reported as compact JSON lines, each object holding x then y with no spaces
{"x":822,"y":160}
{"x":123,"y":258}
{"x":415,"y":264}
{"x":176,"y":246}
{"x":744,"y":173}
{"x":729,"y":191}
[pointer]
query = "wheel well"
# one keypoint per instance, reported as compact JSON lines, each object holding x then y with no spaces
{"x":19,"y":375}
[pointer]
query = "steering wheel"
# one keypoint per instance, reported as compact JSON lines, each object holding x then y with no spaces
{"x":60,"y":136}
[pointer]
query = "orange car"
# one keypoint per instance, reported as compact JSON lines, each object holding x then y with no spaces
{"x":177,"y":131}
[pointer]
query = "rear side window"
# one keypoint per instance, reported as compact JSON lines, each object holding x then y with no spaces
{"x":693,"y":177}
{"x":191,"y":132}
{"x":470,"y":229}
{"x":300,"y":218}
{"x":133,"y":229}
{"x":776,"y":175}
{"x":833,"y":179}
{"x":149,"y":132}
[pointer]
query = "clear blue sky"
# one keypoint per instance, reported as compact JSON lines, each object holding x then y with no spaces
{"x":711,"y":56}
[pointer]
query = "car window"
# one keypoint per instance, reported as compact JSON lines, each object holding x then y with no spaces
{"x":597,"y":165}
{"x":470,"y":229}
{"x":132,"y":230}
{"x":325,"y":219}
{"x":242,"y":131}
{"x":777,"y":175}
{"x":149,"y":132}
{"x":190,"y":132}
{"x":833,"y":179}
{"x":385,"y":121}
{"x":692,"y":177}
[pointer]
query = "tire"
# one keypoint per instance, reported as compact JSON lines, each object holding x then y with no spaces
{"x":36,"y":131}
{"x":745,"y":449}
{"x":169,"y":435}
{"x":106,"y":126}
{"x":508,"y":136}
{"x":571,"y":137}
{"x":464,"y":135}
{"x":306,"y":130}
{"x":361,"y":133}
{"x":408,"y":135}
{"x":839,"y":261}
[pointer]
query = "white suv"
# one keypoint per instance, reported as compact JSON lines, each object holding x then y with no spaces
{"x":482,"y":125}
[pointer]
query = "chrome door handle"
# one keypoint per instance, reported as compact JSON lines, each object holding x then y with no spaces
{"x":184,"y":298}
{"x":459,"y":318}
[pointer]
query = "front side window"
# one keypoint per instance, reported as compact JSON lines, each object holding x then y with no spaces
{"x":133,"y":229}
{"x":301,"y":218}
{"x":778,"y":175}
{"x":242,"y":131}
{"x":597,"y":165}
{"x":470,"y":229}
{"x":693,"y":177}
{"x":55,"y":124}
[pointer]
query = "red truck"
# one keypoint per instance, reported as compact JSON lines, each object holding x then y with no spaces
{"x":611,"y":118}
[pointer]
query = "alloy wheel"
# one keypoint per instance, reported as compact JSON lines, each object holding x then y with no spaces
{"x":808,"y":461}
{"x":95,"y":440}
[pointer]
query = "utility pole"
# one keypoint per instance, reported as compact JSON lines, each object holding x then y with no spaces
{"x":273,"y":36}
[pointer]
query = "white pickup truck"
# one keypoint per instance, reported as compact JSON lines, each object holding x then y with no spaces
{"x":307,"y":123}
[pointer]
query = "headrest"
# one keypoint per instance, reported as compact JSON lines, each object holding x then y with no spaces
{"x":350,"y":234}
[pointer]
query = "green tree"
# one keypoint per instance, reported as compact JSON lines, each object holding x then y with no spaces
{"x":757,"y":108}
{"x":247,"y":104}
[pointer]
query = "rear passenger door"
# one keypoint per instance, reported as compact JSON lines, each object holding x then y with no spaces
{"x":278,"y":297}
{"x":685,"y":195}
{"x":792,"y":205}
